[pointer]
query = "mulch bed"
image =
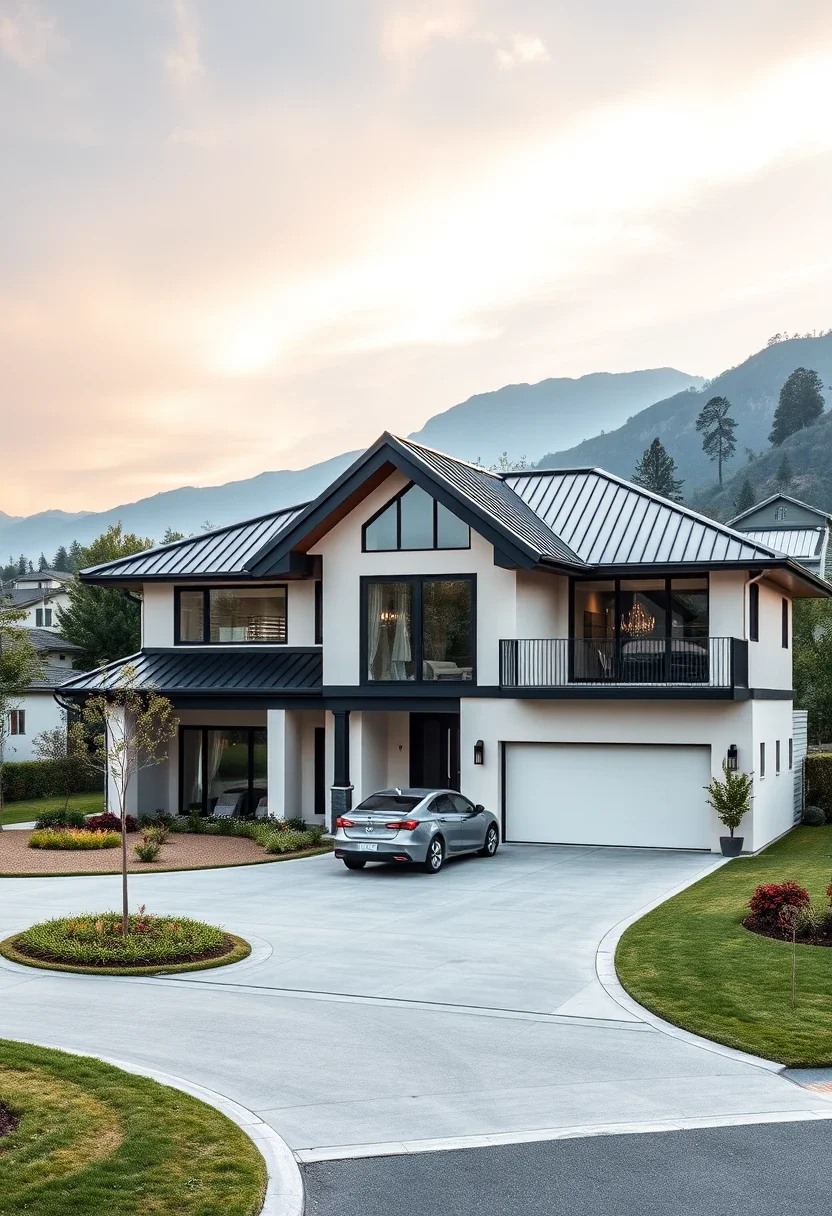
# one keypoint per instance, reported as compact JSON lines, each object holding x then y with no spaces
{"x":181,"y":851}
{"x":765,"y":929}
{"x":8,"y":1120}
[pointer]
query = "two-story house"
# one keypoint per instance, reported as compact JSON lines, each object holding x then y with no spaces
{"x":792,"y":527}
{"x":40,"y":595}
{"x":34,"y":710}
{"x":571,"y":650}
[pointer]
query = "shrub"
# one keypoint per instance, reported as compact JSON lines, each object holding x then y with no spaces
{"x":96,"y":940}
{"x":296,"y":824}
{"x":810,"y":921}
{"x":157,"y":832}
{"x":60,"y":818}
{"x":25,"y":779}
{"x":287,"y":841}
{"x":767,"y":901}
{"x":813,"y":817}
{"x":111,"y":823}
{"x":730,"y":797}
{"x":147,"y":850}
{"x":73,"y":838}
{"x":818,"y":774}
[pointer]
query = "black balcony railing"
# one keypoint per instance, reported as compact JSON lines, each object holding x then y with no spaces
{"x":561,"y":662}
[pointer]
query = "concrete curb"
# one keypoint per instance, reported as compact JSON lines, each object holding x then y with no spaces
{"x":284,"y":1186}
{"x":608,"y":978}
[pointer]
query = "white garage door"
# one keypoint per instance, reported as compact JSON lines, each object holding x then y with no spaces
{"x":650,"y":796}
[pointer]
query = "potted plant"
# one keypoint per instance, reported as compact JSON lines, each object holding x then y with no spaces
{"x":730,"y":799}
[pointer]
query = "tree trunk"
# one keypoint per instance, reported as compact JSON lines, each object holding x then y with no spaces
{"x":125,"y":908}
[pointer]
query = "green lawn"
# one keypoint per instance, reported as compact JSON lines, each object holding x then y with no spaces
{"x":23,"y":812}
{"x":93,"y":1140}
{"x":692,"y":962}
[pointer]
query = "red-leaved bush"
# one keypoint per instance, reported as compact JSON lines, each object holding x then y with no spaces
{"x":110,"y":823}
{"x":767,"y":902}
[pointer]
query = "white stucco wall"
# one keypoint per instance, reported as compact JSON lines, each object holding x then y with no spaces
{"x":42,"y":713}
{"x":774,"y":794}
{"x":769,"y":662}
{"x":53,"y":601}
{"x":157,"y":615}
{"x":345,"y":564}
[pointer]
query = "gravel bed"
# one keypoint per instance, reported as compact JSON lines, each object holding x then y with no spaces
{"x":180,"y":851}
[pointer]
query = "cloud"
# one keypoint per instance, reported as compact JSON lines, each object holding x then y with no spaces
{"x":183,"y":62}
{"x":27,"y":38}
{"x":523,"y":49}
{"x":405,"y":33}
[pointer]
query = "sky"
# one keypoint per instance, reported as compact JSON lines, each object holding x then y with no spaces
{"x":249,"y":236}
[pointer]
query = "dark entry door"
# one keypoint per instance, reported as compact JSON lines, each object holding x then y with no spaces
{"x":434,"y":751}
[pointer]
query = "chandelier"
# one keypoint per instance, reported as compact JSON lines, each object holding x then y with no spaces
{"x":638,"y":621}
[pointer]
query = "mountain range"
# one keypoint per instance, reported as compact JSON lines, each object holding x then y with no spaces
{"x":601,"y":419}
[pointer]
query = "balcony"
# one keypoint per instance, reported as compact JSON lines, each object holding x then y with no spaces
{"x":640,"y":667}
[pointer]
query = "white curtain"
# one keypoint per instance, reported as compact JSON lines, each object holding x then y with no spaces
{"x":196,"y":792}
{"x":401,"y":654}
{"x":374,"y":592}
{"x":215,"y":749}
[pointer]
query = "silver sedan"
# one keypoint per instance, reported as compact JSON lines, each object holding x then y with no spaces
{"x":415,"y":827}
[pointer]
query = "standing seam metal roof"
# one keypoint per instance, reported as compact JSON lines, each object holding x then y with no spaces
{"x":198,"y":671}
{"x":794,"y":542}
{"x":608,"y":522}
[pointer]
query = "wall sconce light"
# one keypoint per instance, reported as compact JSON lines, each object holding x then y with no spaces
{"x":479,"y":752}
{"x":732,"y":759}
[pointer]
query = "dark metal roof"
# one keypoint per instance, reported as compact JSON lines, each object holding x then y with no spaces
{"x":188,"y":671}
{"x":609,"y":522}
{"x":221,"y":553}
{"x":493,"y":494}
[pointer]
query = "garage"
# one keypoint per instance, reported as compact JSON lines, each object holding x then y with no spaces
{"x":641,"y":795}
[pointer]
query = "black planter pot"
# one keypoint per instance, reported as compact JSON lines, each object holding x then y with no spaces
{"x":731,"y":845}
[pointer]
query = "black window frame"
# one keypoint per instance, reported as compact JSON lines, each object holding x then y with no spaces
{"x":396,"y":499}
{"x":669,"y":579}
{"x":754,"y":612}
{"x":249,"y":730}
{"x":777,"y":757}
{"x":417,"y":582}
{"x":178,"y":591}
{"x":791,"y":754}
{"x":762,"y":761}
{"x":784,"y":623}
{"x":319,"y":612}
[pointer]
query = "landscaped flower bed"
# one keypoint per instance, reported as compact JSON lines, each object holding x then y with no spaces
{"x":73,"y":838}
{"x":785,"y":912}
{"x":95,"y":942}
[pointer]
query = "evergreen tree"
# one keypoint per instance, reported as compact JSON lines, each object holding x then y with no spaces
{"x":42,"y":562}
{"x":21,"y":565}
{"x":784,"y":473}
{"x":801,"y":403}
{"x":746,"y":497}
{"x":718,"y":428}
{"x":656,"y":471}
{"x":61,"y":560}
{"x":102,"y":620}
{"x":171,"y":535}
{"x":75,"y":558}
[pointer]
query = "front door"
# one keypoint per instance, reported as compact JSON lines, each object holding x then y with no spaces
{"x":434,"y":751}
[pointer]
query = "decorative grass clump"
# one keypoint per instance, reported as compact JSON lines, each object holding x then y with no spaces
{"x":96,"y":943}
{"x":90,"y":1138}
{"x":73,"y":838}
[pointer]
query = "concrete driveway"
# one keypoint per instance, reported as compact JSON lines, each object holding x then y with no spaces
{"x":382,"y":1008}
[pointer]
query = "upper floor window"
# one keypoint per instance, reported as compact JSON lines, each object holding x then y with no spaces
{"x":780,"y":512}
{"x":414,"y":520}
{"x":754,"y":612}
{"x":43,"y":618}
{"x":637,"y":610}
{"x":418,"y":629}
{"x":17,"y":722}
{"x":231,"y":615}
{"x":784,"y":623}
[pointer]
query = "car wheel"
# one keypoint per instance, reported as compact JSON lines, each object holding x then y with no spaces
{"x":355,"y":863}
{"x":436,"y":856}
{"x":492,"y":840}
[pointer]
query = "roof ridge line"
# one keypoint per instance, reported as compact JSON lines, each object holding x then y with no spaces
{"x":468,"y":464}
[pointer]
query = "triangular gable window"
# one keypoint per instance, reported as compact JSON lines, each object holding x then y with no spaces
{"x":414,"y":520}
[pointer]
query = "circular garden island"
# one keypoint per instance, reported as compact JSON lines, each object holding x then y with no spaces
{"x":78,"y":1137}
{"x":96,"y":944}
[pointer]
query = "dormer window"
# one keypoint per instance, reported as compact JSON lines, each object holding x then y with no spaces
{"x":779,"y":512}
{"x":415,"y":520}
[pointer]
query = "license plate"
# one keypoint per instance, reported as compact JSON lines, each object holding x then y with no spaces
{"x":367,"y":848}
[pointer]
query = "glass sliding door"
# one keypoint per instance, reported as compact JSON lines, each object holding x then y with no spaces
{"x":222,"y":770}
{"x":446,"y":630}
{"x":390,"y":632}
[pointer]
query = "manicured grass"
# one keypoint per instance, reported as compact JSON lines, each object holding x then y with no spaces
{"x":238,"y":949}
{"x":93,"y":1140}
{"x":28,"y":811}
{"x":692,"y":962}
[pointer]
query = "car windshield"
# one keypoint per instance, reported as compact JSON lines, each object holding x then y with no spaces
{"x":389,"y":802}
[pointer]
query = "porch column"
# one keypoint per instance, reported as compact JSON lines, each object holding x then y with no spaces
{"x":341,"y":792}
{"x":276,"y":761}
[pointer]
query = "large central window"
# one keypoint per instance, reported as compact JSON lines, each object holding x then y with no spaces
{"x":231,"y":615}
{"x":418,"y":629}
{"x":414,"y":520}
{"x":222,"y":767}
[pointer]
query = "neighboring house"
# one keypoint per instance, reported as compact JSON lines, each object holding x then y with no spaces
{"x":37,"y":710}
{"x":40,"y":595}
{"x":569,"y":649}
{"x":792,"y":527}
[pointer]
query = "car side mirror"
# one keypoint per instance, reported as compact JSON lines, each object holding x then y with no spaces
{"x":479,"y":808}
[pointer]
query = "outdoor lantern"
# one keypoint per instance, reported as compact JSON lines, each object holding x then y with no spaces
{"x":479,"y":752}
{"x":731,"y":762}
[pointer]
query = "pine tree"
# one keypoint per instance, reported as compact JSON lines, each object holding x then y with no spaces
{"x":75,"y":557}
{"x":784,"y":473}
{"x":61,"y":561}
{"x":801,"y":403}
{"x":718,"y":426}
{"x":746,"y":498}
{"x":42,"y":562}
{"x":656,"y":471}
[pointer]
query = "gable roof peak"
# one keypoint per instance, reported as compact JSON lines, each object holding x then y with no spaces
{"x":772,"y":498}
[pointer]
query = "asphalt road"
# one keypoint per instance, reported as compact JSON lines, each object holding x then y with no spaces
{"x":762,"y":1170}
